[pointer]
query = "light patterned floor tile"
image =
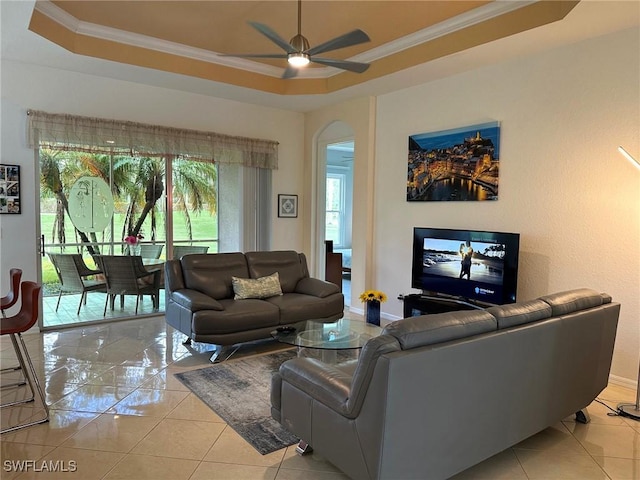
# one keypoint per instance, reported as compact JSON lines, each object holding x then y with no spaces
{"x":15,"y":455}
{"x":165,"y":380}
{"x":620,"y":468}
{"x":152,"y":403}
{"x":231,"y":448}
{"x":545,"y":466}
{"x":503,"y":466}
{"x":555,"y":439}
{"x":146,"y":467}
{"x":619,"y":441}
{"x":226,"y":471}
{"x":289,"y":474}
{"x":64,"y":463}
{"x":192,"y":408}
{"x":62,"y":424}
{"x":113,"y":433}
{"x":124,"y":375}
{"x":186,"y":439}
{"x":92,"y":398}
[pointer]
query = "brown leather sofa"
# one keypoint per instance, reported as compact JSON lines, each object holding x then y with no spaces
{"x":200,"y":297}
{"x":434,"y":395}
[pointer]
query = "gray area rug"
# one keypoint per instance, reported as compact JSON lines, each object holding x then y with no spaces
{"x":239,"y":392}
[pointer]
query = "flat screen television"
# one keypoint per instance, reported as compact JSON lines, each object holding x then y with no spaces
{"x":467,"y":265}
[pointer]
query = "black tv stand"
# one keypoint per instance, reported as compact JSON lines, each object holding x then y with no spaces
{"x":423,"y":304}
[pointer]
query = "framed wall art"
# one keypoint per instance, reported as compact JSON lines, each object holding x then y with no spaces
{"x":287,"y":206}
{"x":9,"y":188}
{"x":454,"y":165}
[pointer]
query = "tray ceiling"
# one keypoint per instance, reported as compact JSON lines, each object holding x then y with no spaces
{"x":186,"y":37}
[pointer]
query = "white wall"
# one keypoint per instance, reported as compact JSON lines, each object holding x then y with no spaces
{"x":563,"y":186}
{"x":40,"y":88}
{"x":359,"y":115}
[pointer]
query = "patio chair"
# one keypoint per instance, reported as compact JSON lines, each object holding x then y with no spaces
{"x":72,"y":272}
{"x":151,"y":251}
{"x":126,"y":275}
{"x":14,"y":326}
{"x":180,"y":250}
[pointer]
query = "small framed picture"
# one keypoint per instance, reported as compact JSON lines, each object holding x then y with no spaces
{"x":9,"y":188}
{"x":287,"y":206}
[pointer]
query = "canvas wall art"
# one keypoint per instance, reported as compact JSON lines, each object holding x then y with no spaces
{"x":454,"y":165}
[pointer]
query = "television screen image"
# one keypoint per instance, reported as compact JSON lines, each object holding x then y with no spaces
{"x":475,"y":266}
{"x":481,"y":261}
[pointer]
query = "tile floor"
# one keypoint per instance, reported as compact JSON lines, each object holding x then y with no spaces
{"x":119,"y":413}
{"x":67,"y":314}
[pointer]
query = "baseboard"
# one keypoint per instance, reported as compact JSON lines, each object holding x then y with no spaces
{"x":623,"y":382}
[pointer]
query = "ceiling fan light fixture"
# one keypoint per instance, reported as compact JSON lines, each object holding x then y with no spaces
{"x":298,"y":59}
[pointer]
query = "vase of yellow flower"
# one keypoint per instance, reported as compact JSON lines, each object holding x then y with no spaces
{"x":372,"y":300}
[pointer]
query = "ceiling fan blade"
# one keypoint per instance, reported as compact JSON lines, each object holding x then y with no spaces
{"x":254,"y":55}
{"x":273,"y":36}
{"x":290,"y":72}
{"x":356,"y":67}
{"x":355,"y":37}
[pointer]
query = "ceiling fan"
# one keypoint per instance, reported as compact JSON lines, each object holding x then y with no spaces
{"x":299,"y":54}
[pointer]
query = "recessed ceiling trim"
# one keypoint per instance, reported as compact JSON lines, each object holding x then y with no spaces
{"x":467,"y":19}
{"x":101,"y":32}
{"x":475,"y":16}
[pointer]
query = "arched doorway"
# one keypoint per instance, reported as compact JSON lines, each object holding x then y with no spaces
{"x":334,"y":197}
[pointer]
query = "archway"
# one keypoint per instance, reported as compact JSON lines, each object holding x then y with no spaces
{"x":333,"y":199}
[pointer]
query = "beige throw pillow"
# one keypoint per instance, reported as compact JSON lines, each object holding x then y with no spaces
{"x":263,"y":287}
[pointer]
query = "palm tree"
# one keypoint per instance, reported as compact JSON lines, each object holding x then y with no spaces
{"x":194,"y":188}
{"x":54,"y":180}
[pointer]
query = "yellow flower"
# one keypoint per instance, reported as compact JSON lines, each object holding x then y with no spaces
{"x":373,"y":296}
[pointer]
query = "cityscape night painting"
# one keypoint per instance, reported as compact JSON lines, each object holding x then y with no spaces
{"x":453,"y":165}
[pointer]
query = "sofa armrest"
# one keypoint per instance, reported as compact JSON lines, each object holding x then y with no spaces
{"x":325,"y":383}
{"x":195,"y":301}
{"x":316,"y":287}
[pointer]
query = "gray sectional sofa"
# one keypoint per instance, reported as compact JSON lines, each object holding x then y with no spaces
{"x":437,"y":394}
{"x":200,"y":297}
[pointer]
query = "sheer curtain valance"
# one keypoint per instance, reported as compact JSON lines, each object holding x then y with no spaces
{"x":105,"y":136}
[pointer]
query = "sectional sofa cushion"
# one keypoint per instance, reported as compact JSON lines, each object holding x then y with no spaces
{"x":286,"y":263}
{"x":570,"y":301}
{"x":430,"y":329}
{"x":514,"y":314}
{"x":197,"y":272}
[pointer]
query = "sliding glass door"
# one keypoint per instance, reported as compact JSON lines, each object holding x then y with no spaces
{"x":90,"y":203}
{"x":194,"y":207}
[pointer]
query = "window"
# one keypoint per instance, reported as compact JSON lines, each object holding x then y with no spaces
{"x":335,"y":209}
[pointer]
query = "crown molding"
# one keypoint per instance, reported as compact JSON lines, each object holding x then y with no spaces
{"x":101,"y":32}
{"x":473,"y":17}
{"x":460,"y":22}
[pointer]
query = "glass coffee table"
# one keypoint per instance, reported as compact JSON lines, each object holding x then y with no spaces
{"x":331,"y":342}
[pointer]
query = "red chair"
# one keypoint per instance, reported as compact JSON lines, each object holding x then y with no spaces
{"x":10,"y":299}
{"x":14,"y":326}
